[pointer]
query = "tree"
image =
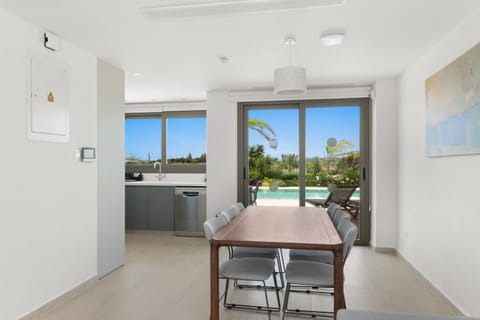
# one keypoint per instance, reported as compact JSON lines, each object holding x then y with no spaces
{"x":316,"y":166}
{"x":132,"y":158}
{"x":339,"y":147}
{"x":290,"y":161}
{"x":334,"y":151}
{"x":263,"y":128}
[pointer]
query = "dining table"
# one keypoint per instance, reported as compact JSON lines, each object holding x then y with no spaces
{"x":279,"y":227}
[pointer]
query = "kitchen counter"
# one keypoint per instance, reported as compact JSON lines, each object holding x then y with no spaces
{"x":170,"y":180}
{"x":161,"y":183}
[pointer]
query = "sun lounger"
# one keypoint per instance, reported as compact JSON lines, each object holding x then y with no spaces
{"x":341,"y":195}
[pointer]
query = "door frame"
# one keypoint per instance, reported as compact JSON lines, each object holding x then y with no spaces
{"x":302,"y":105}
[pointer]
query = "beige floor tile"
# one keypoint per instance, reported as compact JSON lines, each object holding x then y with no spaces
{"x":167,"y":277}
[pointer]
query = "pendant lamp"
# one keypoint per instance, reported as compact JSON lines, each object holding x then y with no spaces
{"x":290,"y":80}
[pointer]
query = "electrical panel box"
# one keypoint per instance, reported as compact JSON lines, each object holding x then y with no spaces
{"x":48,"y":107}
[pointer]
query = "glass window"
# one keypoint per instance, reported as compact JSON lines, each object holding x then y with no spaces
{"x":186,"y":140}
{"x":176,"y":139}
{"x":143,"y":141}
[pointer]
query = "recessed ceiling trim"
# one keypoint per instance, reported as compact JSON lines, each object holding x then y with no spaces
{"x":218,"y":8}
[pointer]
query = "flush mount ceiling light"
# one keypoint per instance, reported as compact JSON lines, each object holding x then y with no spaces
{"x":290,"y":80}
{"x":332,"y":39}
{"x":228,"y":7}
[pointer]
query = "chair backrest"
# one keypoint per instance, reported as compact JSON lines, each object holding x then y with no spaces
{"x":348,"y":232}
{"x":339,"y":216}
{"x":229,"y":214}
{"x":332,"y":208}
{"x":238,"y":207}
{"x":342,"y":194}
{"x":213,"y":225}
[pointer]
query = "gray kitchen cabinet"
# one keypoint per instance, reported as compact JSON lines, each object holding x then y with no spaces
{"x":136,"y":207}
{"x":151,"y":208}
{"x":161,"y":208}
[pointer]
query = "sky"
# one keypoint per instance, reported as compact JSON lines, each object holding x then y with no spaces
{"x":341,"y":123}
{"x":184,"y":136}
{"x":188,"y":135}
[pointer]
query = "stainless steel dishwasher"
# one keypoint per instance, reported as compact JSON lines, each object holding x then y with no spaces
{"x":190,"y":211}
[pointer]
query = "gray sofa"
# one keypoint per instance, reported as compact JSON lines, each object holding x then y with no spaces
{"x":374,"y":315}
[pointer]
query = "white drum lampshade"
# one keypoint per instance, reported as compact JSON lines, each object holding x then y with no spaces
{"x":290,"y":80}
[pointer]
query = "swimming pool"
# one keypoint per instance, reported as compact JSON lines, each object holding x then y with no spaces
{"x":292,"y":193}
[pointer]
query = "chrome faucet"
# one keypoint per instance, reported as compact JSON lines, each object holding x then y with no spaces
{"x":160,"y":174}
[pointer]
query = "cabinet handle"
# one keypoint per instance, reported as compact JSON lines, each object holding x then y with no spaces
{"x":190,"y":194}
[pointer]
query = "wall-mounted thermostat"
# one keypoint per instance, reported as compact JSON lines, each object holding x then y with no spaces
{"x":88,"y":154}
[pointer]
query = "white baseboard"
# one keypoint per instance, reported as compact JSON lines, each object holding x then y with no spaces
{"x":46,"y":308}
{"x":456,"y":310}
{"x":386,"y":250}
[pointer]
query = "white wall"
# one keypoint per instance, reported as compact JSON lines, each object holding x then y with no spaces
{"x":48,"y":237}
{"x":437,"y":207}
{"x":111,"y":168}
{"x":221,"y":151}
{"x":384,"y":165}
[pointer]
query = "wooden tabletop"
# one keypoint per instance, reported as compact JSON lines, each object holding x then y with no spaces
{"x":281,"y":227}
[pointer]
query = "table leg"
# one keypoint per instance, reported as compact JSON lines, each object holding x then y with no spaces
{"x":214,"y":312}
{"x":339,"y":297}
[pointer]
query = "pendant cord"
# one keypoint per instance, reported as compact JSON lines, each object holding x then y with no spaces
{"x":289,"y":53}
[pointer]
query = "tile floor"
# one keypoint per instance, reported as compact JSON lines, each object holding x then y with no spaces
{"x":167,"y":277}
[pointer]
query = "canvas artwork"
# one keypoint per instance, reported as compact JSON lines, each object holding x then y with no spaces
{"x":453,"y":107}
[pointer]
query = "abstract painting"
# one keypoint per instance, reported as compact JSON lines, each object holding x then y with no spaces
{"x":453,"y":107}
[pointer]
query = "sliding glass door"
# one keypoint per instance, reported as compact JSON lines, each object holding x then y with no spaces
{"x":304,"y":154}
{"x":273,"y":160}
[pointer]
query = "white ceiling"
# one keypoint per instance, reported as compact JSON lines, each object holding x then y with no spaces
{"x":178,"y":57}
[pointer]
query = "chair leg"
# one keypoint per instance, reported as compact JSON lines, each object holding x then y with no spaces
{"x":281,"y":267}
{"x":276,"y":292}
{"x":265,"y":308}
{"x":285,"y":301}
{"x":301,"y":312}
{"x":266,"y":299}
{"x":227,"y":281}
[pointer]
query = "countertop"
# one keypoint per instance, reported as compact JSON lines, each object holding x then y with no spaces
{"x":170,"y":180}
{"x":165,"y":183}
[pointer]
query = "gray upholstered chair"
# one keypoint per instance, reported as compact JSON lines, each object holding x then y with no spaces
{"x":375,"y":315}
{"x":339,"y":216}
{"x":247,"y":269}
{"x":238,"y":207}
{"x":324,"y":256}
{"x":332,"y":209}
{"x":311,"y":277}
{"x":247,"y":252}
{"x":229,"y":214}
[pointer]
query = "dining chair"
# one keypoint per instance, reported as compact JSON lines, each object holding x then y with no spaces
{"x":246,"y":269}
{"x":248,"y":252}
{"x":324,"y":256}
{"x":238,"y":207}
{"x":316,"y":277}
{"x":339,"y":216}
{"x":229,"y":214}
{"x":332,"y":209}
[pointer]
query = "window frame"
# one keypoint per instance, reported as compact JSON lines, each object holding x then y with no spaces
{"x":167,"y":168}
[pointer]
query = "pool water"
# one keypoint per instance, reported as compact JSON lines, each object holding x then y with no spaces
{"x":294,"y":194}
